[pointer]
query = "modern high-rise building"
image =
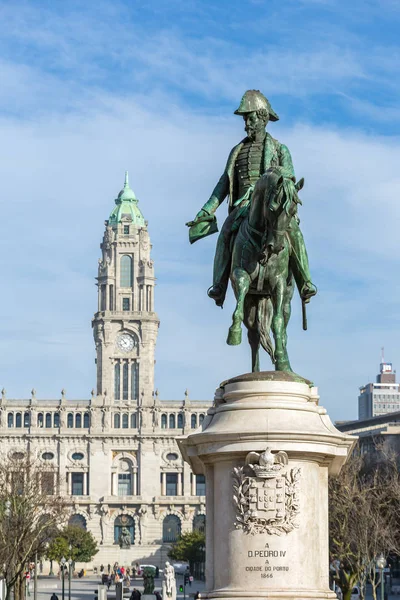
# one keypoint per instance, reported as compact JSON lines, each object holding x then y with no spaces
{"x":381,"y":397}
{"x":114,"y":456}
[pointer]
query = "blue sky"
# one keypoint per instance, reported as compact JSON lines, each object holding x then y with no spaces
{"x":87,"y":92}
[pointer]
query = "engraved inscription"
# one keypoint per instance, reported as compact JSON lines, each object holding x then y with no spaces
{"x":273,"y":562}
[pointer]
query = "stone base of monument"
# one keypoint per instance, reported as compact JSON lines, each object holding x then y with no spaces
{"x":267,"y":448}
{"x":172,"y":595}
{"x":148,"y":597}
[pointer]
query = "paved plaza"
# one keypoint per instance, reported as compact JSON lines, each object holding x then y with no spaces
{"x":82,"y":589}
{"x":85,"y":588}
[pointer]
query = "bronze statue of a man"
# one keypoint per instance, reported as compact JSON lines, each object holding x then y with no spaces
{"x":246,"y":163}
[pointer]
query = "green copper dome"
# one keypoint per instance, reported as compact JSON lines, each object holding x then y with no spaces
{"x":127,"y":206}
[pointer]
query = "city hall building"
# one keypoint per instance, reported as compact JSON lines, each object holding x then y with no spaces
{"x":114,"y":456}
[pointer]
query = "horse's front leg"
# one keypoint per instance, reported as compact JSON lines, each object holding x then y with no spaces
{"x":278,"y":327}
{"x":240,"y":282}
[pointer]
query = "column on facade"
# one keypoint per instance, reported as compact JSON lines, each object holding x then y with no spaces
{"x":85,"y":490}
{"x":179,"y":490}
{"x":69,"y":480}
{"x":114,"y":488}
{"x":135,"y":479}
{"x":163,"y":483}
{"x":193,"y":485}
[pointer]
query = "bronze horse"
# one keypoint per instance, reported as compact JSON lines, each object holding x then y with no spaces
{"x":260,"y":272}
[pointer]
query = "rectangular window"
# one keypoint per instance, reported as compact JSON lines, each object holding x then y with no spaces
{"x":124,"y":484}
{"x":200,"y":485}
{"x":77,"y":484}
{"x":126,"y":229}
{"x":172,"y":484}
{"x":111,"y":298}
{"x":48,"y":483}
{"x":125,"y":381}
{"x":103,"y":291}
{"x":126,"y":304}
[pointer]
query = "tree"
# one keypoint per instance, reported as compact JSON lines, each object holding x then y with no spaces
{"x":31,"y":513}
{"x":364,"y":509}
{"x":82,"y":543}
{"x":189,"y":547}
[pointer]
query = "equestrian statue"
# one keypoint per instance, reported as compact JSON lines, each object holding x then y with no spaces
{"x":260,"y":247}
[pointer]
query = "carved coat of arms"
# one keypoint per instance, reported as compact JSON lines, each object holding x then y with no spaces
{"x":266,"y":494}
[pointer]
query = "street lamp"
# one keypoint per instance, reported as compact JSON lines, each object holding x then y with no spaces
{"x":63,"y":561}
{"x":69,"y":571}
{"x":381,"y":564}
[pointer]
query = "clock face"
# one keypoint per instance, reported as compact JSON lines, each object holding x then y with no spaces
{"x":125,"y":342}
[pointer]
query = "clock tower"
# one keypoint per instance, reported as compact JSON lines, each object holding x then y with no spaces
{"x":125,"y":325}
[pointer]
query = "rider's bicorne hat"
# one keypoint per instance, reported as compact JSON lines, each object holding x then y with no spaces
{"x":253,"y":100}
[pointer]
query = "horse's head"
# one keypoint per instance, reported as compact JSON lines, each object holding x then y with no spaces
{"x":280,"y":206}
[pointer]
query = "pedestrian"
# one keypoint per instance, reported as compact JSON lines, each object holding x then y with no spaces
{"x":108,"y":568}
{"x":54,"y":596}
{"x":157,"y":572}
{"x":136,"y":595}
{"x":101,"y":568}
{"x":197,"y":596}
{"x":158,"y":595}
{"x":122,"y":571}
{"x":109,"y":581}
{"x":116,"y":578}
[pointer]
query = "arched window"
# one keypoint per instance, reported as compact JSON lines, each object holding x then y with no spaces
{"x":163,"y":421}
{"x":199,"y":523}
{"x":48,"y":419}
{"x":125,"y":377}
{"x":78,"y":420}
{"x":18,"y":420}
{"x":121,"y":522}
{"x":40,"y":420}
{"x":172,"y":421}
{"x":27,"y":419}
{"x":10,"y":420}
{"x":117,"y":421}
{"x":56,"y":419}
{"x":125,"y":421}
{"x":126,"y":271}
{"x":133,"y":421}
{"x":180,"y":421}
{"x":77,"y":521}
{"x":117,"y":381}
{"x":201,"y":419}
{"x":70,"y":420}
{"x":86,"y":420}
{"x":193,"y":421}
{"x":171,"y":528}
{"x":134,"y":381}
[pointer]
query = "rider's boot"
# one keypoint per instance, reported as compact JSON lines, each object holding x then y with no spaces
{"x":222,"y":263}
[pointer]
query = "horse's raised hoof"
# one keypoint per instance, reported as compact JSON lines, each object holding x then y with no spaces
{"x":234,"y":337}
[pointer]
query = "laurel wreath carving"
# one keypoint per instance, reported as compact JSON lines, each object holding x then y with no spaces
{"x":251,"y":523}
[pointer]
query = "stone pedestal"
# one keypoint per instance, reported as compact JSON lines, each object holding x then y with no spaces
{"x":266,"y":448}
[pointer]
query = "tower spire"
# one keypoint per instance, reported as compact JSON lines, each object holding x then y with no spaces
{"x":126,"y":182}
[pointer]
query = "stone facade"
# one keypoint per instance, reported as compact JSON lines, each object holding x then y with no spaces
{"x":115,"y":456}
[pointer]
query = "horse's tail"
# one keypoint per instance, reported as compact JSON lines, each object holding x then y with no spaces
{"x":264,"y":319}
